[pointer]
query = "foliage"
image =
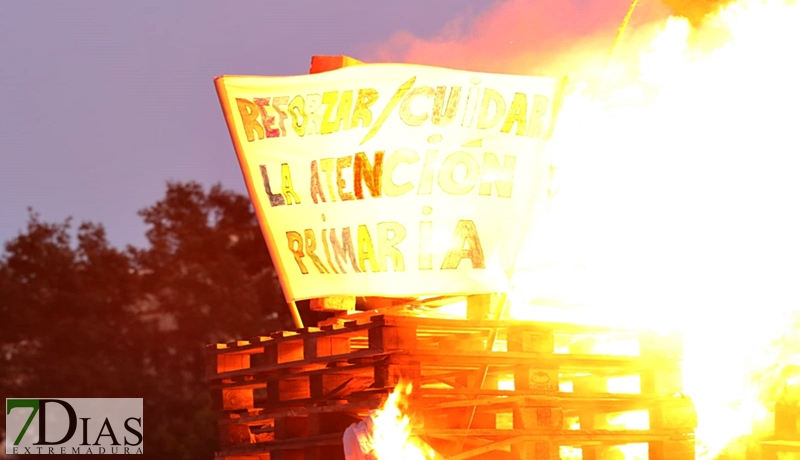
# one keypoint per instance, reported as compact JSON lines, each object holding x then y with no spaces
{"x":208,"y":264}
{"x":84,"y":319}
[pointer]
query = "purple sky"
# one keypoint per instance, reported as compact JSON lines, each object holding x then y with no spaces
{"x":103,"y":102}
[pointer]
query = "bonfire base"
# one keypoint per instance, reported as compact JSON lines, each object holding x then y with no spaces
{"x":786,"y":439}
{"x":482,"y":389}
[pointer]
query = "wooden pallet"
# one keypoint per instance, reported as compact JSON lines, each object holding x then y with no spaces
{"x":786,"y":439}
{"x":480,"y":387}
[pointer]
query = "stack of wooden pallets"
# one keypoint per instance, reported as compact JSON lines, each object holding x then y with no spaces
{"x":481,"y":388}
{"x":785,"y":442}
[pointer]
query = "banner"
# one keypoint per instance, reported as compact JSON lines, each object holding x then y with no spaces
{"x":391,"y":179}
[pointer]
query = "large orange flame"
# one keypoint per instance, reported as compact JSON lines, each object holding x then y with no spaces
{"x":675,"y":208}
{"x":391,"y":434}
{"x":675,"y":201}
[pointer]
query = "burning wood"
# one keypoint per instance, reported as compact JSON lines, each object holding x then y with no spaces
{"x":688,"y":211}
{"x":482,"y":388}
{"x":386,"y":433}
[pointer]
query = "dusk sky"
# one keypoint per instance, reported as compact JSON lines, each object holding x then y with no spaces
{"x":103,"y":102}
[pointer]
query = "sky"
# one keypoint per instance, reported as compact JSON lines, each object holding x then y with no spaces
{"x":102,"y":103}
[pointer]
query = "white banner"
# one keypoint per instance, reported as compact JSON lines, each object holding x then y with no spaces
{"x":390,"y":179}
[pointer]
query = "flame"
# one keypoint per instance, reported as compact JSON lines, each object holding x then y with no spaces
{"x":675,"y":200}
{"x":675,"y":208}
{"x":391,"y":431}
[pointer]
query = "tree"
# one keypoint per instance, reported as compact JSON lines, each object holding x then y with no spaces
{"x":84,"y":319}
{"x":208,"y":269}
{"x":208,"y":265}
{"x":67,"y":329}
{"x":64,"y":309}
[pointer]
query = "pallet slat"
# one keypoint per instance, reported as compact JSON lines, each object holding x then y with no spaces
{"x":544,"y":385}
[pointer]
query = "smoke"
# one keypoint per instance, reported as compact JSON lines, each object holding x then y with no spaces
{"x":677,"y":186}
{"x":678,"y":180}
{"x":542,"y":37}
{"x":695,"y":10}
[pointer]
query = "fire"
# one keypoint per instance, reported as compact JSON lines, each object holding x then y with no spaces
{"x":675,"y":208}
{"x":391,"y":430}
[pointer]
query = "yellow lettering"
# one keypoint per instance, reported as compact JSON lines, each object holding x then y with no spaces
{"x":343,"y":251}
{"x":491,"y":97}
{"x":362,"y":114}
{"x":466,"y":234}
{"x":390,"y":187}
{"x":287,"y":187}
{"x":343,"y":111}
{"x":297,"y":110}
{"x":329,"y":98}
{"x":296,"y":247}
{"x":516,"y":114}
{"x":538,"y":110}
{"x":366,"y":253}
{"x":343,"y":163}
{"x":249,"y":113}
{"x":442,"y":116}
{"x":390,"y":234}
{"x":313,"y":117}
{"x":406,"y":114}
{"x":311,"y":246}
{"x":364,"y":171}
{"x":327,"y":166}
{"x":447,"y":173}
{"x":327,"y":249}
{"x":491,"y":173}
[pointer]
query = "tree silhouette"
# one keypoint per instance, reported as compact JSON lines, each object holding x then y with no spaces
{"x":66,"y":314}
{"x":208,"y":265}
{"x":84,"y":319}
{"x":207,"y":269}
